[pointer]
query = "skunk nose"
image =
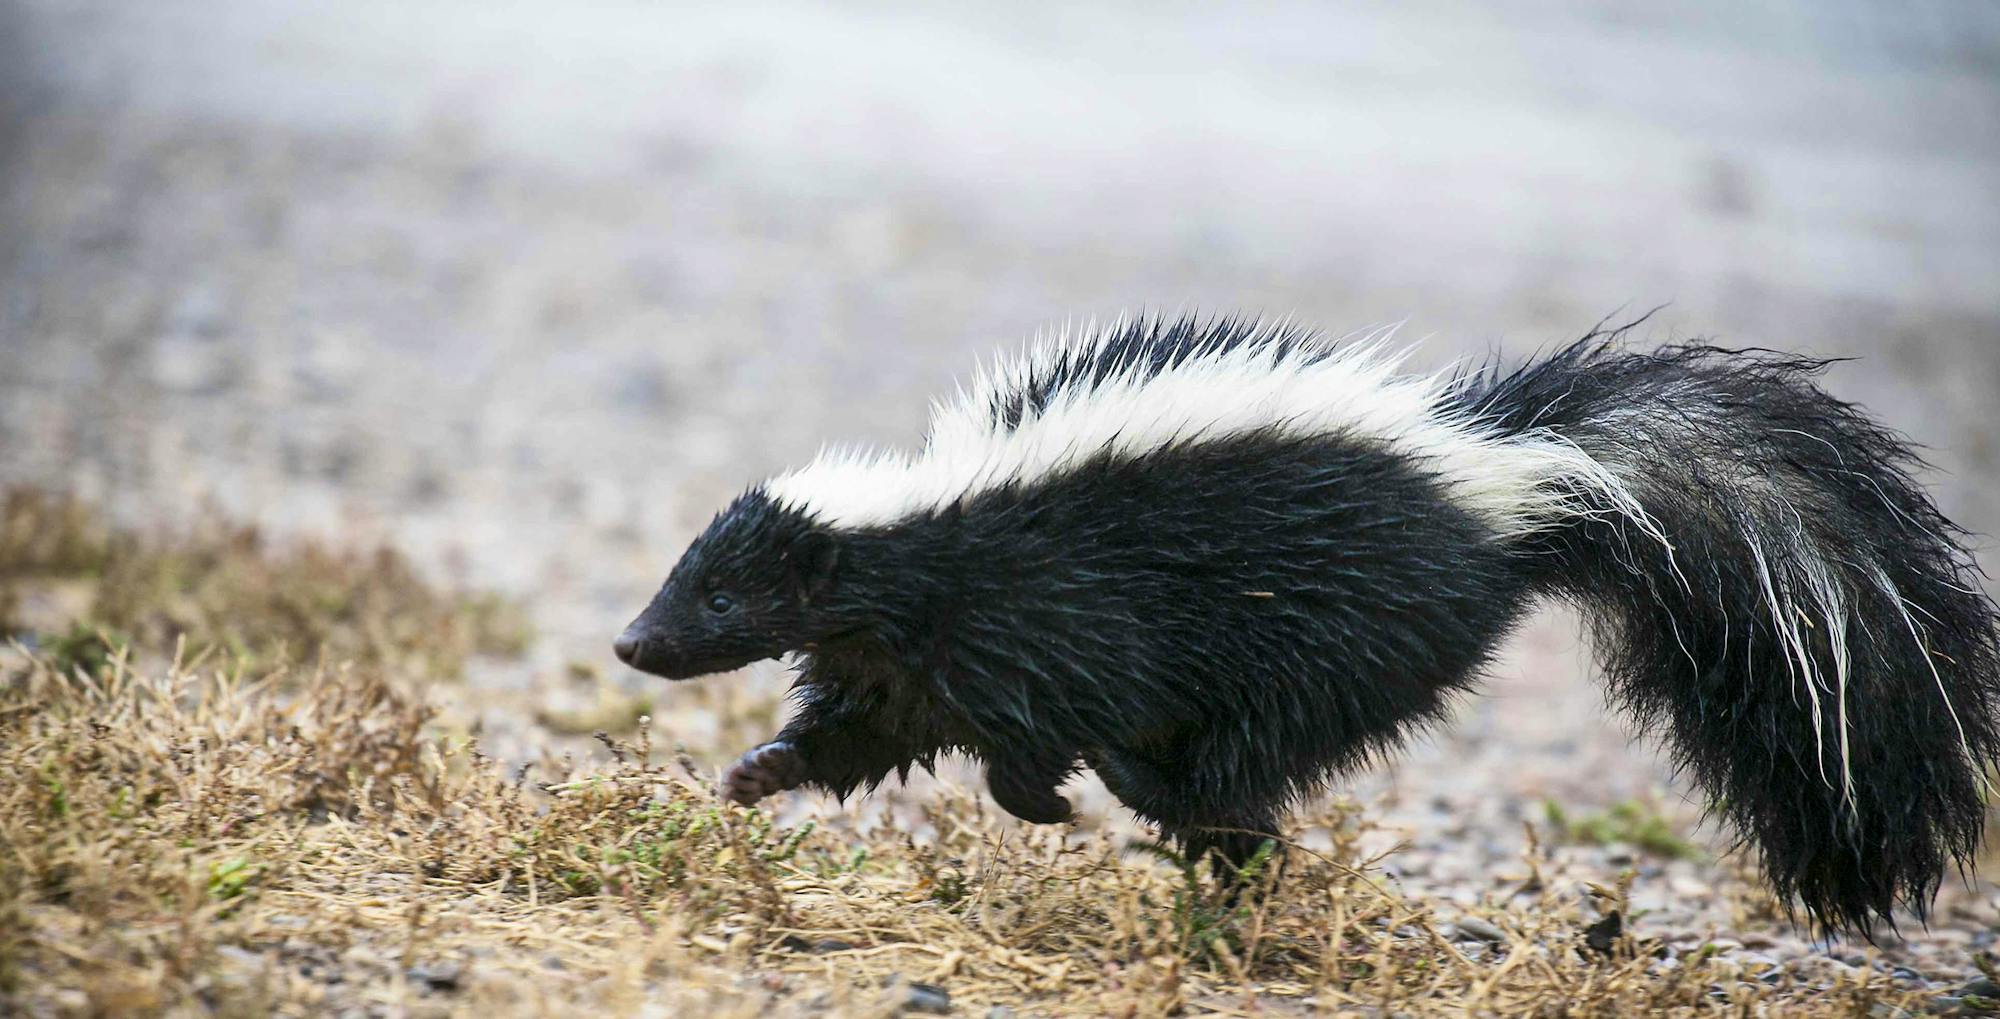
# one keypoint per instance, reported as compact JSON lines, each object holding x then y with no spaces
{"x":626,"y":647}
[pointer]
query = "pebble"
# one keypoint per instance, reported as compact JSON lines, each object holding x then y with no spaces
{"x":1983,"y":987}
{"x":819,"y":946}
{"x":442,"y":975}
{"x":927,"y":999}
{"x":1481,"y":930}
{"x":1603,"y":934}
{"x":1689,"y":888}
{"x":239,"y":956}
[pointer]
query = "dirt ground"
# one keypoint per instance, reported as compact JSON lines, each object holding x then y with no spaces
{"x":531,"y":289}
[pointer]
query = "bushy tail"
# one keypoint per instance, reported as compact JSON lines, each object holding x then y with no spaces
{"x":1774,"y":594}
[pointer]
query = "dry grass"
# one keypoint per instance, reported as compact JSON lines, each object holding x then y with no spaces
{"x":232,"y":592}
{"x":191,"y":837}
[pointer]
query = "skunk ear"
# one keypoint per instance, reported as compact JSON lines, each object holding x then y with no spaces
{"x":811,"y":559}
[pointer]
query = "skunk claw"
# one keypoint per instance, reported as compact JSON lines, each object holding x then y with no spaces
{"x":761,"y":771}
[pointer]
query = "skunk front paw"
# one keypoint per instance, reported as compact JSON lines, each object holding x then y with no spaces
{"x":761,"y":771}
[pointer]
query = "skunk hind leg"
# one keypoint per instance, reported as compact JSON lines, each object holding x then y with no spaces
{"x":1228,"y":827}
{"x":1025,"y":786}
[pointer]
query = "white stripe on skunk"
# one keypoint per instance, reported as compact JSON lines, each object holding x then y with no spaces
{"x":1310,"y":386}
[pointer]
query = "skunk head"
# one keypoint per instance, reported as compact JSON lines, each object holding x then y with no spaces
{"x":751,"y":587}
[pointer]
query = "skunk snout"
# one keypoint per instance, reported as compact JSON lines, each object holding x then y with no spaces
{"x":647,"y":649}
{"x":628,"y":645}
{"x":660,"y":652}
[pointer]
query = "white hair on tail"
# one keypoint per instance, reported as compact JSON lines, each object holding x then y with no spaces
{"x":1518,"y":483}
{"x":1809,"y":571}
{"x":1804,"y":592}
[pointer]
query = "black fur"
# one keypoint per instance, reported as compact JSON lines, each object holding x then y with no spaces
{"x":1741,"y":441}
{"x":1217,"y":627}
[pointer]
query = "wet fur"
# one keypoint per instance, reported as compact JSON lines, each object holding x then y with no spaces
{"x":1217,"y":622}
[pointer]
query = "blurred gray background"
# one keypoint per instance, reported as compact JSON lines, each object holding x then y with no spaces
{"x":534,"y":287}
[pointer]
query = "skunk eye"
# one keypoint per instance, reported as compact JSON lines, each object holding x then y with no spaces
{"x":720,"y":604}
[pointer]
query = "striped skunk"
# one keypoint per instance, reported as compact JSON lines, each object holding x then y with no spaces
{"x":1219,"y":563}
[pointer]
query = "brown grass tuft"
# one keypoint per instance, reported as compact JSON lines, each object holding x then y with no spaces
{"x":229,"y":590}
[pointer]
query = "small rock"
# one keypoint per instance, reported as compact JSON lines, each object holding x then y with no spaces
{"x":442,"y":975}
{"x":927,"y":999}
{"x":999,"y":1012}
{"x":1477,"y":929}
{"x":239,"y":956}
{"x":1601,"y":935}
{"x":820,"y":946}
{"x":1982,"y":987}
